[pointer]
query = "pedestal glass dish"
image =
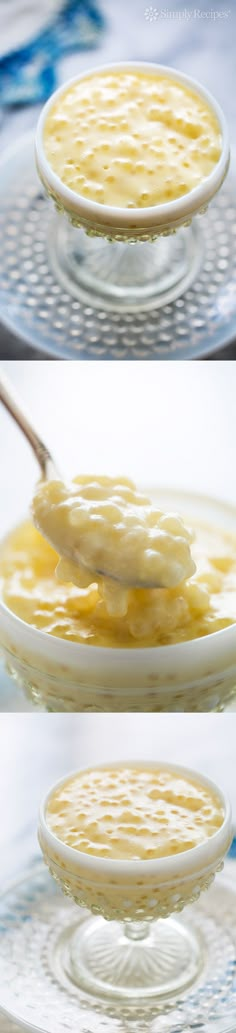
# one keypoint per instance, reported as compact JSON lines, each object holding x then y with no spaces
{"x":126,"y":953}
{"x":106,"y":271}
{"x":64,"y":967}
{"x":199,"y":675}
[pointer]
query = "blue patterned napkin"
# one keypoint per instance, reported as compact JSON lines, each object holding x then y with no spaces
{"x":232,"y":851}
{"x":29,"y":74}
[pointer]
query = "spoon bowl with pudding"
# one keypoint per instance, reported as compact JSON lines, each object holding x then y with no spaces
{"x":133,"y":843}
{"x":130,"y":152}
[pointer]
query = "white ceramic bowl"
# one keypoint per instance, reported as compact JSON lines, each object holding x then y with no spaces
{"x":136,"y":223}
{"x":199,"y":675}
{"x":136,"y":889}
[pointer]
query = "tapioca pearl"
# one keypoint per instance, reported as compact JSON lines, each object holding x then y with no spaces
{"x":124,"y":800}
{"x":193,"y":129}
{"x":128,"y":147}
{"x":211,"y":580}
{"x":123,"y":125}
{"x":88,"y":190}
{"x":205,"y":143}
{"x":99,"y":194}
{"x":139,"y":166}
{"x":143,"y":197}
{"x":91,"y":122}
{"x":217,"y":821}
{"x":120,"y":164}
{"x":91,"y":828}
{"x":214,"y":152}
{"x":103,"y":803}
{"x":80,"y":182}
{"x":89,"y":156}
{"x":206,"y":810}
{"x":126,"y":816}
{"x":78,"y":141}
{"x":69,"y":164}
{"x":83,"y":844}
{"x":106,"y":147}
{"x":141,"y":830}
{"x":109,"y":103}
{"x":82,"y":129}
{"x":122,"y":92}
{"x":198,"y":598}
{"x":181,"y":189}
{"x":96,"y":96}
{"x":168,"y":194}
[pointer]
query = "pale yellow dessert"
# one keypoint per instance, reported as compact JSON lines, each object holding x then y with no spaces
{"x":207,"y":603}
{"x":105,"y":526}
{"x":133,"y":813}
{"x":131,"y":138}
{"x":134,"y":840}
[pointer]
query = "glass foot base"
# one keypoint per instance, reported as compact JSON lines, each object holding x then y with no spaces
{"x":124,"y":277}
{"x":56,"y":976}
{"x":134,"y":961}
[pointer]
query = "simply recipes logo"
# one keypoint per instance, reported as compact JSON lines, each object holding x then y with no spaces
{"x":153,"y":14}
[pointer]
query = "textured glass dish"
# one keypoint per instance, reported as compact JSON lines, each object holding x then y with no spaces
{"x":35,"y":965}
{"x":127,"y":954}
{"x":63,"y":967}
{"x":135,"y":890}
{"x":138,"y":280}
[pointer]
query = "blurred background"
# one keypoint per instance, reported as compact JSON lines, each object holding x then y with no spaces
{"x":36,"y":750}
{"x":41,"y":45}
{"x":162,"y":424}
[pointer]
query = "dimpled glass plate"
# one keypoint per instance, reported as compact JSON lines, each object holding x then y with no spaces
{"x":40,"y":311}
{"x":35,"y":920}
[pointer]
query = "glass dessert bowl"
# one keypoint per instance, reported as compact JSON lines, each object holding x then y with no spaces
{"x":150,"y":153}
{"x":127,"y":950}
{"x":121,"y":673}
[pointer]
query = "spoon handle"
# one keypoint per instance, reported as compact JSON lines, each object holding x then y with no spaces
{"x":9,"y":399}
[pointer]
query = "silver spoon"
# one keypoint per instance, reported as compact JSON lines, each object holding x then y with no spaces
{"x":49,"y":471}
{"x":9,"y":399}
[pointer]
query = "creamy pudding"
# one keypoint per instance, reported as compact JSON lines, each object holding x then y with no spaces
{"x":131,"y":138}
{"x":100,"y":615}
{"x":130,"y":813}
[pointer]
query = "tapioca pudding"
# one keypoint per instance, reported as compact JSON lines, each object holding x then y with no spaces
{"x":133,"y":813}
{"x":99,"y":613}
{"x":131,"y":137}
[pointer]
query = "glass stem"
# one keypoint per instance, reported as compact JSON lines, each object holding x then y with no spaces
{"x":137,"y":930}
